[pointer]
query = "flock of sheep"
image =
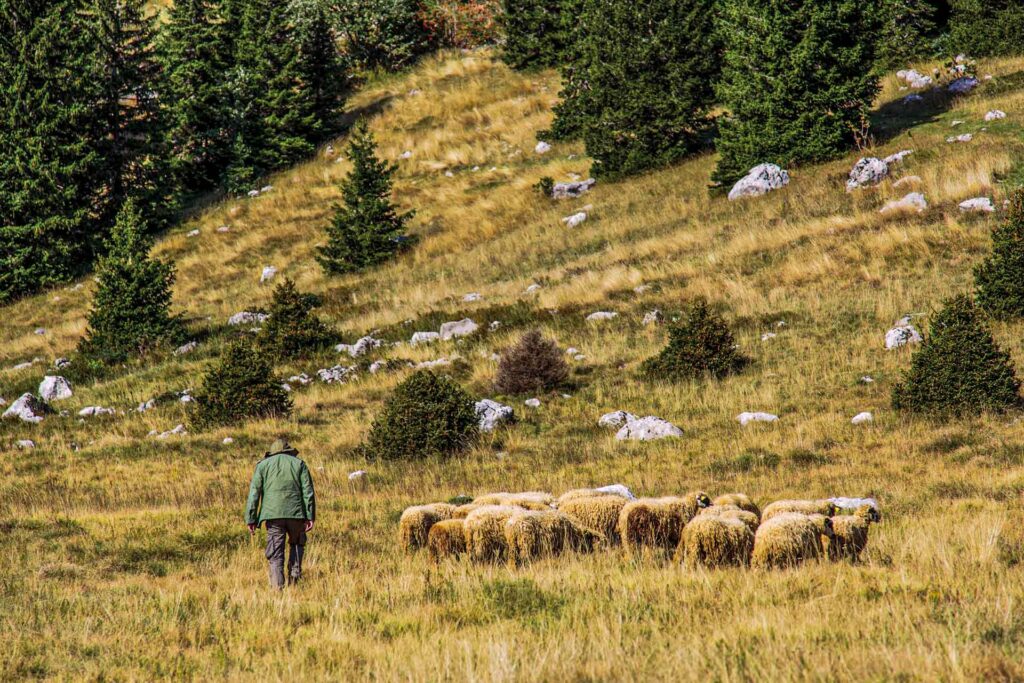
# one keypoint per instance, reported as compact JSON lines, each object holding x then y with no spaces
{"x":728,"y":531}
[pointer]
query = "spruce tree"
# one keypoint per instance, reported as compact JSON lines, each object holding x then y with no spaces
{"x":908,"y":29}
{"x":999,"y":279}
{"x":381,"y":34}
{"x":292,"y":330}
{"x":798,"y":80}
{"x":241,"y":386}
{"x":537,"y":32}
{"x":131,"y":310}
{"x":699,"y":346}
{"x":366,"y":229}
{"x":985,"y":28}
{"x":52,"y":145}
{"x":958,"y":369}
{"x":321,"y":72}
{"x":650,"y":68}
{"x":533,"y":364}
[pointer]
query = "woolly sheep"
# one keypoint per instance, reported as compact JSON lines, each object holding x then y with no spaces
{"x":658,"y":522}
{"x":531,"y":500}
{"x":789,"y":538}
{"x":716,"y":541}
{"x":533,"y":534}
{"x":850,"y":533}
{"x":600,"y":513}
{"x":446,"y":539}
{"x":415,"y":523}
{"x":804,"y":507}
{"x":740,"y":500}
{"x":732,"y":512}
{"x":485,"y":531}
{"x":617,"y":490}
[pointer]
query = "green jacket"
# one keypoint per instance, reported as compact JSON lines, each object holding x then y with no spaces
{"x":281,"y":488}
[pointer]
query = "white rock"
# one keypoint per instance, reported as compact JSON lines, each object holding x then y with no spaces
{"x":95,"y":411}
{"x":247,"y":318}
{"x":995,"y":115}
{"x":424,"y":337}
{"x":227,"y":441}
{"x":898,"y":157}
{"x":914,"y":201}
{"x":963,"y":85}
{"x":901,"y":335}
{"x":861,"y":418}
{"x":867,"y":379}
{"x":601,"y":315}
{"x":966,"y":137}
{"x":302,"y":379}
{"x":761,"y":179}
{"x":573,"y":189}
{"x":867,"y":171}
{"x":532,"y":288}
{"x":572,"y":351}
{"x":491,"y":414}
{"x":449,"y":174}
{"x":641,"y":289}
{"x":853,"y":503}
{"x":579,"y":357}
{"x":653,"y":317}
{"x":616,"y":419}
{"x":177,"y":431}
{"x":25,"y":444}
{"x":336,"y":375}
{"x":193,"y":233}
{"x":22,"y":366}
{"x":268,"y":273}
{"x":542,"y":148}
{"x":186,"y":348}
{"x":223,"y":229}
{"x":437,"y":363}
{"x":254,"y":193}
{"x":532,"y":402}
{"x":768,"y":335}
{"x":146,"y":405}
{"x":362,"y":346}
{"x":266,"y":188}
{"x":575,"y":219}
{"x":978,"y":204}
{"x":287,"y":387}
{"x":458,"y":328}
{"x":407,"y":154}
{"x":648,"y":429}
{"x":54,"y":388}
{"x":954,"y":124}
{"x":185,"y":397}
{"x":471,"y":297}
{"x":27,"y":408}
{"x":617,"y":490}
{"x":495,"y":325}
{"x":40,"y":331}
{"x":746,"y":418}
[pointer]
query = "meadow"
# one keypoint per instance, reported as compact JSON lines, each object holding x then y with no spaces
{"x":127,"y":557}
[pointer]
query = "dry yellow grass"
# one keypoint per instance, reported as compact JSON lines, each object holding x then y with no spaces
{"x":127,"y":559}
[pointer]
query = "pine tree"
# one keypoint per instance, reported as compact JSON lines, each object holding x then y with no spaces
{"x":985,"y":28}
{"x":798,"y":80}
{"x":572,"y":108}
{"x":537,"y":32}
{"x":907,"y":33}
{"x":650,"y":68}
{"x":321,"y":72}
{"x":381,"y":34}
{"x":701,"y":345}
{"x":241,"y":386}
{"x":194,"y":57}
{"x":52,"y":144}
{"x":958,"y":369}
{"x":367,"y":229}
{"x":131,"y":310}
{"x":291,"y":330}
{"x":999,"y":279}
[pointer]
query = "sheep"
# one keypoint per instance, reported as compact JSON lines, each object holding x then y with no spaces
{"x":658,"y":522}
{"x":485,"y":531}
{"x":787,"y":539}
{"x":530,"y":500}
{"x":600,"y":513}
{"x":415,"y":523}
{"x":447,"y":538}
{"x":617,"y":490}
{"x":732,"y":512}
{"x":740,"y":500}
{"x":804,"y":507}
{"x":715,"y":541}
{"x":850,"y":533}
{"x":533,"y":534}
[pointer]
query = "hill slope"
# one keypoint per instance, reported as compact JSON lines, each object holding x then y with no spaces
{"x":130,"y":560}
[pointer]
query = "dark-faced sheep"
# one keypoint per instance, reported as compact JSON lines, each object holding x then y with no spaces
{"x":790,"y":538}
{"x":658,"y":522}
{"x":716,"y":541}
{"x":485,"y":532}
{"x":600,"y":513}
{"x":447,"y":538}
{"x":850,"y":533}
{"x":534,"y":534}
{"x":740,"y":500}
{"x":804,"y":507}
{"x":414,"y":525}
{"x":732,"y":512}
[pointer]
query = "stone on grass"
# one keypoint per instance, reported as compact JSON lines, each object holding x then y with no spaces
{"x":964,"y":84}
{"x":186,"y":348}
{"x":898,"y":157}
{"x":362,"y":346}
{"x":761,"y":179}
{"x":995,"y":115}
{"x":23,"y":366}
{"x":25,"y":444}
{"x":575,"y":219}
{"x":648,"y":429}
{"x":407,"y":154}
{"x":746,"y":418}
{"x":247,"y":318}
{"x":867,"y":171}
{"x":653,"y":317}
{"x":253,"y":193}
{"x":95,"y":411}
{"x":28,"y":408}
{"x":471,"y":297}
{"x":532,"y":288}
{"x":193,"y":233}
{"x":616,"y":419}
{"x":223,"y":229}
{"x":532,"y":402}
{"x":768,"y":335}
{"x":494,"y":326}
{"x":861,"y":418}
{"x":914,"y":201}
{"x":903,"y":334}
{"x":429,"y":364}
{"x":424,"y":337}
{"x":598,"y":316}
{"x":146,"y":405}
{"x":338,"y":374}
{"x":492,"y":414}
{"x":301,"y":378}
{"x":54,"y":388}
{"x":867,"y":379}
{"x":178,"y":430}
{"x":40,"y":331}
{"x":542,"y":147}
{"x":268,"y":273}
{"x":977,"y":205}
{"x":573,"y":189}
{"x":966,"y":137}
{"x":458,"y":328}
{"x":227,"y":441}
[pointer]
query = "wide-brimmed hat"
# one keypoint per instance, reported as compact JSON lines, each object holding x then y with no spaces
{"x":280,"y":446}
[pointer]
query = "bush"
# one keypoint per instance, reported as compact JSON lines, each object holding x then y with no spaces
{"x":380,"y":34}
{"x":462,"y":24}
{"x":291,"y":330}
{"x":538,"y":33}
{"x":241,"y":386}
{"x":985,"y":28}
{"x":700,"y":345}
{"x":999,"y":279}
{"x":534,"y":364}
{"x":959,"y":368}
{"x":798,"y":81}
{"x":426,"y":415}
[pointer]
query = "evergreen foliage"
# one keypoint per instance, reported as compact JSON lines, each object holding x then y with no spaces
{"x":538,"y":33}
{"x":534,"y":364}
{"x":241,"y":386}
{"x":380,"y":34}
{"x":999,"y":279}
{"x":322,"y":74}
{"x":131,"y":312}
{"x":572,"y":107}
{"x":366,"y":229}
{"x":292,"y":330}
{"x":798,"y":81}
{"x":958,"y":369}
{"x":426,"y":415}
{"x":908,"y":32}
{"x":699,"y":346}
{"x":985,"y":28}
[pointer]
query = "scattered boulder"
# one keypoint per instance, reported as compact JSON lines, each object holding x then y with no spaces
{"x":532,"y":402}
{"x":575,"y":219}
{"x":193,"y":233}
{"x":616,"y":419}
{"x":966,"y":137}
{"x":458,"y":328}
{"x":25,"y":444}
{"x":867,"y":171}
{"x":358,"y":480}
{"x":28,"y":408}
{"x":302,"y":379}
{"x":914,"y":78}
{"x":963,"y":85}
{"x":761,"y":179}
{"x":573,"y":189}
{"x":407,"y":154}
{"x":186,"y":348}
{"x":54,"y":388}
{"x":223,"y":229}
{"x":648,"y":429}
{"x":178,"y":430}
{"x":977,"y":205}
{"x":23,"y":366}
{"x":266,"y":188}
{"x":914,"y":201}
{"x":62,"y":363}
{"x":362,"y":346}
{"x":904,"y":333}
{"x":995,"y":115}
{"x":95,"y":411}
{"x":268,"y":274}
{"x":867,"y":379}
{"x":492,"y":414}
{"x":146,"y":405}
{"x":532,"y":288}
{"x":861,"y":418}
{"x":227,"y":441}
{"x":247,"y":318}
{"x":746,"y":418}
{"x":768,"y":335}
{"x":185,"y":396}
{"x":542,"y":148}
{"x":253,"y":193}
{"x":471,"y":297}
{"x":654,"y":317}
{"x":601,"y":315}
{"x":429,"y":364}
{"x":40,"y":331}
{"x":424,"y":337}
{"x":898,"y":157}
{"x":338,"y":374}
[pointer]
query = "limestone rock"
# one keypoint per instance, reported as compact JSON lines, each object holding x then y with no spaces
{"x":995,"y":115}
{"x":598,"y":316}
{"x":268,"y":274}
{"x":746,"y":418}
{"x":575,"y":219}
{"x":186,"y":348}
{"x":532,"y":402}
{"x":247,"y":318}
{"x":492,"y":414}
{"x":914,"y":201}
{"x":542,"y":148}
{"x":54,"y":388}
{"x":424,"y":337}
{"x":861,"y":418}
{"x":648,"y":429}
{"x":337,"y":374}
{"x":616,"y":419}
{"x":978,"y":205}
{"x":362,"y":346}
{"x":28,"y":408}
{"x":867,"y":171}
{"x":654,"y":317}
{"x":904,"y":333}
{"x":573,"y":189}
{"x":761,"y":179}
{"x":458,"y":328}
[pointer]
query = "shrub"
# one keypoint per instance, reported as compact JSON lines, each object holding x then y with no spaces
{"x":798,"y":81}
{"x":533,"y":364}
{"x":291,"y":330}
{"x":537,"y":32}
{"x":131,"y":310}
{"x":999,"y":279}
{"x":463,"y":24}
{"x":241,"y":386}
{"x":426,"y":415}
{"x":367,"y":228}
{"x":959,"y":368}
{"x":985,"y":28}
{"x":700,"y":345}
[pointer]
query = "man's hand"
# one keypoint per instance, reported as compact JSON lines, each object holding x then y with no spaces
{"x":309,"y":525}
{"x":252,"y":528}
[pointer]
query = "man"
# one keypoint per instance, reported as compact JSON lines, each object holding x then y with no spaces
{"x":281,"y":494}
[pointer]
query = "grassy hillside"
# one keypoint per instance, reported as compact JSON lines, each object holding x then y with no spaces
{"x":127,"y":558}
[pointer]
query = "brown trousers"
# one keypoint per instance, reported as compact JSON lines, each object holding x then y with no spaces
{"x":295,"y":531}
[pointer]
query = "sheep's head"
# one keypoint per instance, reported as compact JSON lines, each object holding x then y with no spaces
{"x":869,"y":513}
{"x":703,"y":500}
{"x":831,"y":510}
{"x":823,"y":525}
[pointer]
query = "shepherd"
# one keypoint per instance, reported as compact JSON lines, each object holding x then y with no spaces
{"x":281,"y":494}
